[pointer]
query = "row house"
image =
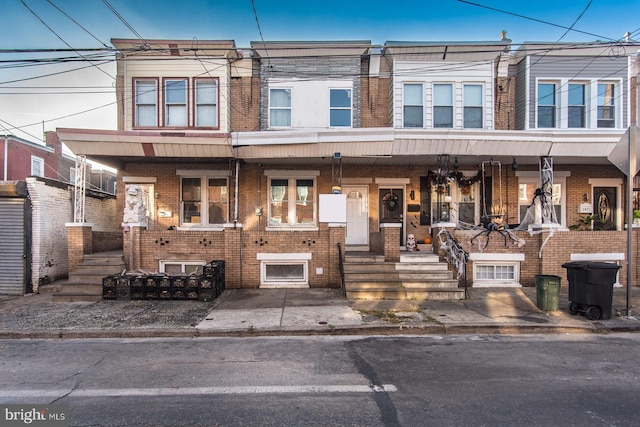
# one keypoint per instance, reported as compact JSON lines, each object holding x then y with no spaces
{"x":268,"y":157}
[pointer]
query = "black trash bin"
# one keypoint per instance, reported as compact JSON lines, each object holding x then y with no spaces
{"x":591,"y":288}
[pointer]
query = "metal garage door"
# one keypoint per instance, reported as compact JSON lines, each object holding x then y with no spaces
{"x":15,"y":245}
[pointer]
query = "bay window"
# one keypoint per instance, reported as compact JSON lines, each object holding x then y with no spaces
{"x":146,"y":102}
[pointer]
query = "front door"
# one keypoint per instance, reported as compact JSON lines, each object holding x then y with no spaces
{"x":391,"y":202}
{"x":357,"y":215}
{"x":605,"y":207}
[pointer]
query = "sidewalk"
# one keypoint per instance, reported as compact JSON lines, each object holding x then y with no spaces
{"x":240,"y":312}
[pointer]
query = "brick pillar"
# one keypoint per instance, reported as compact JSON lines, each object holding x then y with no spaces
{"x":337,"y":233}
{"x":232,"y":256}
{"x":79,"y":242}
{"x":391,"y":241}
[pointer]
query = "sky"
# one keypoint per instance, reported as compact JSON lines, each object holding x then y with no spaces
{"x":41,"y":96}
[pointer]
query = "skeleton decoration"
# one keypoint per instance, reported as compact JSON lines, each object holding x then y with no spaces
{"x":134,"y":208}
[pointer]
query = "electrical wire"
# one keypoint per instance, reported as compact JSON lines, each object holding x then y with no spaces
{"x":77,"y":23}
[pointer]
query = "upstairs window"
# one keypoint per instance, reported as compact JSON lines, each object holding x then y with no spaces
{"x":37,"y":166}
{"x":413,"y":106}
{"x":280,"y":108}
{"x":175,"y":99}
{"x":146,"y":103}
{"x":606,"y":105}
{"x":577,"y":107}
{"x":206,"y":101}
{"x":473,"y":106}
{"x":546,"y":105}
{"x":442,"y":106}
{"x":340,"y":108}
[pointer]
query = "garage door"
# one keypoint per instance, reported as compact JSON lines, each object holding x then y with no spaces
{"x":15,"y":238}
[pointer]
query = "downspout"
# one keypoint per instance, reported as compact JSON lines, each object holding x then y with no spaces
{"x":6,"y":157}
{"x":235,"y":213}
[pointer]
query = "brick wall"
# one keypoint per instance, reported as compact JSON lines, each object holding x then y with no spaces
{"x":375,"y":101}
{"x":244,"y":104}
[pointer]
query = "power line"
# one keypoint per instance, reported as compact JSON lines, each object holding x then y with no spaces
{"x":57,"y":35}
{"x":77,"y":23}
{"x":124,"y":21}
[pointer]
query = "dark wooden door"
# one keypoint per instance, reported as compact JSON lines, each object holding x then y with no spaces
{"x":604,"y":208}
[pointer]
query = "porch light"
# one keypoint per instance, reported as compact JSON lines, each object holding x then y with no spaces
{"x":514,"y":165}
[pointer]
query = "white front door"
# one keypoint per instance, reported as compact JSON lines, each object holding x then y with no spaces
{"x":357,"y":215}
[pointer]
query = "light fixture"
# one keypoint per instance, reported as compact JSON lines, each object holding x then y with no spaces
{"x":412,"y":195}
{"x":514,"y":165}
{"x":456,"y":165}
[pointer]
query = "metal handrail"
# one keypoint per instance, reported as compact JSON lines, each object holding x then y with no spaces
{"x":454,"y":255}
{"x":341,"y":264}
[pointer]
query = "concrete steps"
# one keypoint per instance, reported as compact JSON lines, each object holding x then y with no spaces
{"x":418,"y":276}
{"x":85,"y":284}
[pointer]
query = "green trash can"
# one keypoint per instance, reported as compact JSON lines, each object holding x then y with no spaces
{"x":547,"y":292}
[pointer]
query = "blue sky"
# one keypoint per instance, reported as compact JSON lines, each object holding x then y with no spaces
{"x":379,"y":21}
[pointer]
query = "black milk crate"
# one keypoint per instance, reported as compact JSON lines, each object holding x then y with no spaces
{"x":124,"y":293}
{"x":206,"y":295}
{"x":164,"y":293}
{"x":206,"y":283}
{"x":150,"y":282}
{"x":138,"y":282}
{"x":109,"y":281}
{"x":178,"y":294}
{"x":213,"y":269}
{"x":164,"y":282}
{"x":151,"y":293}
{"x":192,"y":282}
{"x":192,"y":294}
{"x":109,"y":287}
{"x":179,"y":282}
{"x":137,"y":294}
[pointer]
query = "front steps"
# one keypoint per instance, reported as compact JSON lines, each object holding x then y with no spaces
{"x":418,"y":276}
{"x":85,"y":284}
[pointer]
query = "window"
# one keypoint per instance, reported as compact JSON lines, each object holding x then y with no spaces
{"x":72,"y":175}
{"x":292,"y":202}
{"x":37,"y":166}
{"x":280,"y":108}
{"x":340,"y":108}
{"x":526,"y":193}
{"x":606,"y":105}
{"x":546,"y":105}
{"x":576,"y":106}
{"x":206,"y":100}
{"x":284,"y":269}
{"x":505,"y":273}
{"x":472,"y":106}
{"x":200,"y":208}
{"x":175,"y":99}
{"x":181,"y":267}
{"x":413,"y":112}
{"x":443,"y":106}
{"x":146,"y":101}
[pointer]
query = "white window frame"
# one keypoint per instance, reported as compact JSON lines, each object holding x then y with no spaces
{"x":204,"y":176}
{"x":292,"y":197}
{"x":182,"y":263}
{"x":405,"y":104}
{"x":37,"y":163}
{"x":136,"y":115}
{"x":481,"y":106}
{"x":585,"y":111}
{"x":168,"y":104}
{"x":300,"y":259}
{"x":533,"y":178}
{"x":452,"y":105}
{"x":496,"y":260}
{"x":284,"y":108}
{"x":197,"y":103}
{"x":349,"y":108}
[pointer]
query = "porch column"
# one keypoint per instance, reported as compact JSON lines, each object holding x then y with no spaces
{"x":79,"y":242}
{"x":391,"y":241}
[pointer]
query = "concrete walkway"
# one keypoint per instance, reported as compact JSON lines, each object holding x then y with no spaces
{"x":303,"y":311}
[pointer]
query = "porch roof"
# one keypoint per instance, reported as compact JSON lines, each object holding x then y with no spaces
{"x":113,"y":148}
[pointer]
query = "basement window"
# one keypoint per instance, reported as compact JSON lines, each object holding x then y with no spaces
{"x":496,"y":270}
{"x":175,"y":267}
{"x":284,"y":270}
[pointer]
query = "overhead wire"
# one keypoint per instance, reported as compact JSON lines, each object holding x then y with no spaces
{"x":77,"y":23}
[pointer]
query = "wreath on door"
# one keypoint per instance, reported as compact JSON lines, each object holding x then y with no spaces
{"x":391,"y":201}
